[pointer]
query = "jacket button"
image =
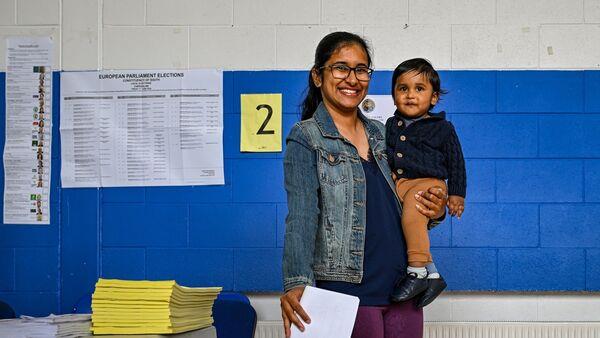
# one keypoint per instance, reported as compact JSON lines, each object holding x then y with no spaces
{"x":331,"y":159}
{"x":402,"y":138}
{"x":399,"y":155}
{"x":399,"y":171}
{"x":399,"y":123}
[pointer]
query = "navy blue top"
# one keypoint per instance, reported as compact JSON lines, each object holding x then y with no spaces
{"x":385,"y":250}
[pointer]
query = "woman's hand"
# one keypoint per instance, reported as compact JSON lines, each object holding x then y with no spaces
{"x":290,"y":306}
{"x":434,"y":202}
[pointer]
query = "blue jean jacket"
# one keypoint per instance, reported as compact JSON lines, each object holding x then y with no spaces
{"x":326,"y":192}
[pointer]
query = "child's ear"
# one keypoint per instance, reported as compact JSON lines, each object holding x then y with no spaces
{"x":434,"y":98}
{"x":316,"y":77}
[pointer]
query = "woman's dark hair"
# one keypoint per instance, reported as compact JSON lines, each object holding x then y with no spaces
{"x":328,"y":45}
{"x":420,"y":66}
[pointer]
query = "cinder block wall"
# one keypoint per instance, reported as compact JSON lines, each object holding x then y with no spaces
{"x":530,"y":138}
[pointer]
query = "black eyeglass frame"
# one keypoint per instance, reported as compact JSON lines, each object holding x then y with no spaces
{"x":350,"y":70}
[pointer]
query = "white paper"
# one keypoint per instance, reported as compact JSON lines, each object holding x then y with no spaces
{"x":28,"y":131}
{"x":141,"y":128}
{"x":378,"y":107}
{"x":332,"y":314}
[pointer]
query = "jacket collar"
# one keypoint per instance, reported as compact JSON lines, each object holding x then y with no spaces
{"x":328,"y":128}
{"x":432,"y":116}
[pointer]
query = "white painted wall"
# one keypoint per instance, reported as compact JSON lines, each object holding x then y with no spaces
{"x":282,"y":34}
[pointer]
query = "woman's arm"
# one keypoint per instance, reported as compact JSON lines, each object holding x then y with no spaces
{"x":302,"y":185}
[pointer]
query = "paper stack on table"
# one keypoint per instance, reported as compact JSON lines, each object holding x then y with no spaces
{"x":143,"y":307}
{"x":61,"y":326}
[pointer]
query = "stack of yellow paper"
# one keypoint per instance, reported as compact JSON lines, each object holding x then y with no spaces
{"x":150,"y":307}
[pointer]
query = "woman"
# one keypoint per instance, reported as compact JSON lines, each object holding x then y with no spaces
{"x":343,"y":228}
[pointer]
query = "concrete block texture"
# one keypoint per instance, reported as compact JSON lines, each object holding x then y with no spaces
{"x":507,"y":308}
{"x":36,"y":269}
{"x":191,"y":267}
{"x":247,"y":47}
{"x":489,"y":136}
{"x":546,"y":269}
{"x":233,"y":225}
{"x":592,"y":263}
{"x":592,"y":180}
{"x":592,"y":88}
{"x":382,"y":12}
{"x":574,"y":226}
{"x":540,"y":92}
{"x":452,"y":12}
{"x":568,"y":308}
{"x":7,"y":270}
{"x":539,"y":11}
{"x":549,"y":181}
{"x":189,"y":12}
{"x":396,"y":43}
{"x":145,"y":225}
{"x":273,"y":12}
{"x":38,"y":12}
{"x":296,"y":44}
{"x":145,"y":47}
{"x":591,"y":11}
{"x":258,"y":269}
{"x":494,"y":46}
{"x":570,"y":46}
{"x":578,"y":138}
{"x":123,"y":263}
{"x":495,"y":226}
{"x":80,"y":34}
{"x":8,"y":12}
{"x":52,"y":32}
{"x":124,"y":12}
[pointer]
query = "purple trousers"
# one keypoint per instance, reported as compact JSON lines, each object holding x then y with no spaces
{"x":398,"y":320}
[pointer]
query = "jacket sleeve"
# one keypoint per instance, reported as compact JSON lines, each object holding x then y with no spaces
{"x":455,"y":164}
{"x":302,"y":187}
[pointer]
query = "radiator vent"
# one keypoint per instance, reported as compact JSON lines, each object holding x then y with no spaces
{"x":273,"y":329}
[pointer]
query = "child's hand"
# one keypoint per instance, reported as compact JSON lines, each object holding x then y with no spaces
{"x":456,"y":205}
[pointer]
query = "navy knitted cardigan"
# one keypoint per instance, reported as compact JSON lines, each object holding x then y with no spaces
{"x":426,"y":148}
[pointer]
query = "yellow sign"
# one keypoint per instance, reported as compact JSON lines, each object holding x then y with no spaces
{"x":261,"y":123}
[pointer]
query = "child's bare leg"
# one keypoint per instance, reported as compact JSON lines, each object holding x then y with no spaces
{"x":414,"y":224}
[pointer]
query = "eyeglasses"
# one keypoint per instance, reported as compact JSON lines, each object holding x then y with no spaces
{"x":341,"y":71}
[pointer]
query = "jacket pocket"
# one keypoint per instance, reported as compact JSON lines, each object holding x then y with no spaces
{"x":332,"y":167}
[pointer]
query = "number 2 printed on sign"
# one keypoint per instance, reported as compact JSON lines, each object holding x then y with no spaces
{"x":260,"y":123}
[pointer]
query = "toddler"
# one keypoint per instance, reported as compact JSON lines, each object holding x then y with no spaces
{"x":423,"y":150}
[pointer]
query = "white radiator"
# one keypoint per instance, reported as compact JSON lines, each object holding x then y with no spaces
{"x":273,"y":329}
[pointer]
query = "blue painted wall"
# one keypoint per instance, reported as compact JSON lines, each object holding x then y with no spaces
{"x":532,"y":143}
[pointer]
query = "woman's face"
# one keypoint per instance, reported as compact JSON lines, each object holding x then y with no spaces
{"x":343,"y":95}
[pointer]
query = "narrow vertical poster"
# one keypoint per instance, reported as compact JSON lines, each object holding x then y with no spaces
{"x":28,"y":130}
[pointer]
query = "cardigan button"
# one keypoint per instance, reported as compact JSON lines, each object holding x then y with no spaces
{"x":399,"y":171}
{"x":402,"y":138}
{"x":399,"y":155}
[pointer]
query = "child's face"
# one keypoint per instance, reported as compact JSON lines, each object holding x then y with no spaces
{"x":413,"y":94}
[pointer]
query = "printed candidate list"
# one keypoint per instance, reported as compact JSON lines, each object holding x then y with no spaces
{"x":141,"y":128}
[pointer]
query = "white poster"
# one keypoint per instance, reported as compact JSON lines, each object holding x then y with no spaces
{"x":28,"y":131}
{"x":141,"y":128}
{"x":378,"y":107}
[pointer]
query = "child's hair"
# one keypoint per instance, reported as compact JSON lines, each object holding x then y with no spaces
{"x":421,"y":66}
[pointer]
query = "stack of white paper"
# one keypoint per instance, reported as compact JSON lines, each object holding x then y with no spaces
{"x":332,"y":314}
{"x":61,"y":326}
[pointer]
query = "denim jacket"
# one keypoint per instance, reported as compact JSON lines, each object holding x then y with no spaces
{"x":326,"y":192}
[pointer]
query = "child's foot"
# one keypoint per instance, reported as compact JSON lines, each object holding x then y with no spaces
{"x":435,"y":286}
{"x":409,"y":287}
